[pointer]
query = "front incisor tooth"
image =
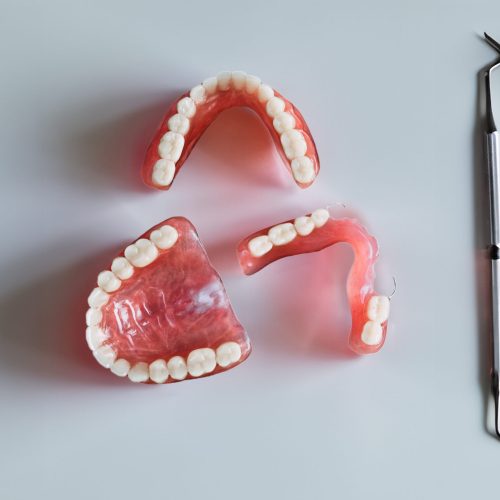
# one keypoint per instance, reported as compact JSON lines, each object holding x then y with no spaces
{"x":378,"y":308}
{"x":171,"y":145}
{"x":105,"y":356}
{"x":120,"y":367}
{"x":95,"y":337}
{"x":97,"y":298}
{"x":260,"y":245}
{"x":282,"y":234}
{"x":238,"y":79}
{"x":283,"y":121}
{"x":165,"y":237}
{"x":177,"y":368}
{"x":163,"y":172}
{"x":108,"y":281}
{"x":228,"y":354}
{"x":252,"y":83}
{"x":178,"y":123}
{"x":201,"y":361}
{"x":304,"y":225}
{"x":186,"y":107}
{"x":264,"y":93}
{"x":372,"y":333}
{"x":198,"y":94}
{"x":139,"y":372}
{"x":224,"y":80}
{"x":303,"y":169}
{"x":275,"y":106}
{"x":320,"y":217}
{"x":122,"y":268}
{"x":158,"y":371}
{"x":210,"y":85}
{"x":293,"y":143}
{"x":93,"y":316}
{"x":141,"y":253}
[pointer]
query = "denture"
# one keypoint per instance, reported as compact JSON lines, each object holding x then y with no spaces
{"x":315,"y":232}
{"x":160,"y":314}
{"x":194,"y":111}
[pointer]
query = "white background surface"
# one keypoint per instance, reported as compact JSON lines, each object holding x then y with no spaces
{"x":389,"y":90}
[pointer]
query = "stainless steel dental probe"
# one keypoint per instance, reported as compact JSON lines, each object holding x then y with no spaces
{"x":493,"y":158}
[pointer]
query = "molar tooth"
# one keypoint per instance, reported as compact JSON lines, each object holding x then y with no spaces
{"x":303,"y":169}
{"x":210,"y":85}
{"x":158,"y":371}
{"x":304,"y":225}
{"x":139,"y":372}
{"x":228,"y":353}
{"x":108,"y":281}
{"x":122,"y":268}
{"x":120,"y":367}
{"x":265,"y":92}
{"x":224,"y":80}
{"x":186,"y":107}
{"x":378,"y":308}
{"x":320,"y":217}
{"x":163,"y":172}
{"x":141,"y":253}
{"x":93,"y":316}
{"x":283,"y":121}
{"x":372,"y":333}
{"x":171,"y":145}
{"x":105,"y":356}
{"x":198,"y":94}
{"x":177,"y":368}
{"x":178,"y":123}
{"x":252,"y":83}
{"x":260,"y":245}
{"x":274,"y":106}
{"x":282,"y":234}
{"x":238,"y":79}
{"x":97,"y":298}
{"x":165,"y":237}
{"x":95,"y":337}
{"x":293,"y":143}
{"x":201,"y":361}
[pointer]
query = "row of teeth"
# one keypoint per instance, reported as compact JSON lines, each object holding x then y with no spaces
{"x":292,"y":140}
{"x":377,"y":311}
{"x":199,"y":362}
{"x":285,"y":233}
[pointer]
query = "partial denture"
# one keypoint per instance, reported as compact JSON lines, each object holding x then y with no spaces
{"x":312,"y":233}
{"x":161,"y":314}
{"x":192,"y":113}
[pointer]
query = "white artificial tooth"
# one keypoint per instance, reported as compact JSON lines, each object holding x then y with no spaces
{"x":178,"y":123}
{"x":97,"y":298}
{"x":120,"y":367}
{"x":171,"y":145}
{"x":93,"y":316}
{"x":163,"y":172}
{"x":274,"y":106}
{"x":224,"y":80}
{"x":177,"y":368}
{"x":141,"y":253}
{"x":228,"y":353}
{"x":304,"y":225}
{"x":108,"y":281}
{"x":238,"y":79}
{"x":252,"y":83}
{"x":198,"y":94}
{"x":122,"y":268}
{"x":372,"y":333}
{"x":265,"y":92}
{"x":165,"y":237}
{"x":293,"y":143}
{"x":105,"y":356}
{"x":158,"y":371}
{"x":186,"y":107}
{"x":378,"y":308}
{"x":260,"y":245}
{"x":282,"y":234}
{"x":139,"y":372}
{"x":320,"y":217}
{"x":303,"y":169}
{"x":283,"y":121}
{"x":95,"y":337}
{"x":201,"y":361}
{"x":210,"y":85}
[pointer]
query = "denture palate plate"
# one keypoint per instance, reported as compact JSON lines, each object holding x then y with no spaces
{"x":193,"y":112}
{"x":151,"y":315}
{"x":312,"y":233}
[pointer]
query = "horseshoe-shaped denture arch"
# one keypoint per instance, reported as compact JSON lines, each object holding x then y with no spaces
{"x":194,"y":111}
{"x":160,"y":314}
{"x":312,"y":233}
